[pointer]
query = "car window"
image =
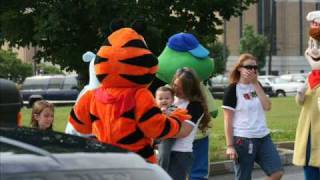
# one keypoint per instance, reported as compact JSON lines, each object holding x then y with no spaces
{"x":55,"y":83}
{"x":298,"y":78}
{"x":225,"y":80}
{"x":217,"y":80}
{"x":271,"y":79}
{"x":55,"y":142}
{"x":279,"y":80}
{"x":70,"y":82}
{"x":40,"y":83}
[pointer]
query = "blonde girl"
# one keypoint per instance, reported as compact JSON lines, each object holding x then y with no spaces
{"x":42,"y":115}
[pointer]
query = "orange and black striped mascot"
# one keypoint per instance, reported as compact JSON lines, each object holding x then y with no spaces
{"x":122,"y":111}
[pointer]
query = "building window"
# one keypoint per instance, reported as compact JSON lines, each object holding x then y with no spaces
{"x":266,"y":22}
{"x":317,"y":6}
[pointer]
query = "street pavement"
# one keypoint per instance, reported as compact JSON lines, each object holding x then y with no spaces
{"x":290,"y":173}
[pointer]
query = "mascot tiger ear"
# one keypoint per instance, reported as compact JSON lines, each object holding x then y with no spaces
{"x":116,"y":24}
{"x":139,"y":25}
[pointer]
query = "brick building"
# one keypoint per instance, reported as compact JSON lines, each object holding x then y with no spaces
{"x":283,"y":21}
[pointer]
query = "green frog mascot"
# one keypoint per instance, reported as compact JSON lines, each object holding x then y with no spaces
{"x":184,"y":50}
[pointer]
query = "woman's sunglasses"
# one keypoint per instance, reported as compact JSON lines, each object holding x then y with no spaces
{"x":255,"y":67}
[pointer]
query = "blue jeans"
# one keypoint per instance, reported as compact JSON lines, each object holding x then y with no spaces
{"x":310,"y":173}
{"x":259,"y":150}
{"x":165,"y":147}
{"x":180,"y":165}
{"x":200,"y":165}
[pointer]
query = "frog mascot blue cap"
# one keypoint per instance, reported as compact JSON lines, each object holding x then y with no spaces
{"x":184,"y":42}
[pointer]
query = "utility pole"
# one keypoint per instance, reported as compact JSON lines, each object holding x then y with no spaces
{"x":301,"y":27}
{"x":240,"y":23}
{"x":34,"y":63}
{"x":224,"y":40}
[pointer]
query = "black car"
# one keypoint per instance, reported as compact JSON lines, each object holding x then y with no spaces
{"x":219,"y":83}
{"x":57,"y":89}
{"x":46,"y":155}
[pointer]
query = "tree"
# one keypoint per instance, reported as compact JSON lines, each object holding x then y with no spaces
{"x":66,"y":29}
{"x":217,"y":55}
{"x":48,"y":69}
{"x":12,"y":68}
{"x":255,"y":44}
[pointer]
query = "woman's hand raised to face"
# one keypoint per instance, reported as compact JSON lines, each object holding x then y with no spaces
{"x":253,"y":76}
{"x":250,"y":75}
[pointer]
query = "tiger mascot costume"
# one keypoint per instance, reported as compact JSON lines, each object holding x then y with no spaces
{"x":122,"y":111}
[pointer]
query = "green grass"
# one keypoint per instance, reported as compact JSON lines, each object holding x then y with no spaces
{"x":282,"y":121}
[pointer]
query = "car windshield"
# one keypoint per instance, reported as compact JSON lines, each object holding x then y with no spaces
{"x":53,"y":142}
{"x":220,"y":79}
{"x":35,"y":83}
{"x":70,"y":82}
{"x":277,"y":80}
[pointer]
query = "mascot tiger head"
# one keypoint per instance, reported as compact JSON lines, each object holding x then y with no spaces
{"x":125,"y":61}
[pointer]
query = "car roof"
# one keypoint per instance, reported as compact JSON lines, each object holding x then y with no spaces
{"x":45,"y":76}
{"x":49,"y":76}
{"x":267,"y":76}
{"x":81,"y":165}
{"x":21,"y":163}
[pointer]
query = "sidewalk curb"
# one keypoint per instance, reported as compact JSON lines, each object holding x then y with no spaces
{"x":285,"y":150}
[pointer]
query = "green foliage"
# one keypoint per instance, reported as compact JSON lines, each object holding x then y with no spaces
{"x":11,"y":67}
{"x":66,"y":29}
{"x":48,"y":69}
{"x":255,"y":44}
{"x":217,"y":55}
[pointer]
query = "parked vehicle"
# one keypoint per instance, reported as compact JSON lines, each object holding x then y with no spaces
{"x":281,"y":86}
{"x":54,"y":88}
{"x":33,"y":154}
{"x":298,"y":77}
{"x":220,"y":83}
